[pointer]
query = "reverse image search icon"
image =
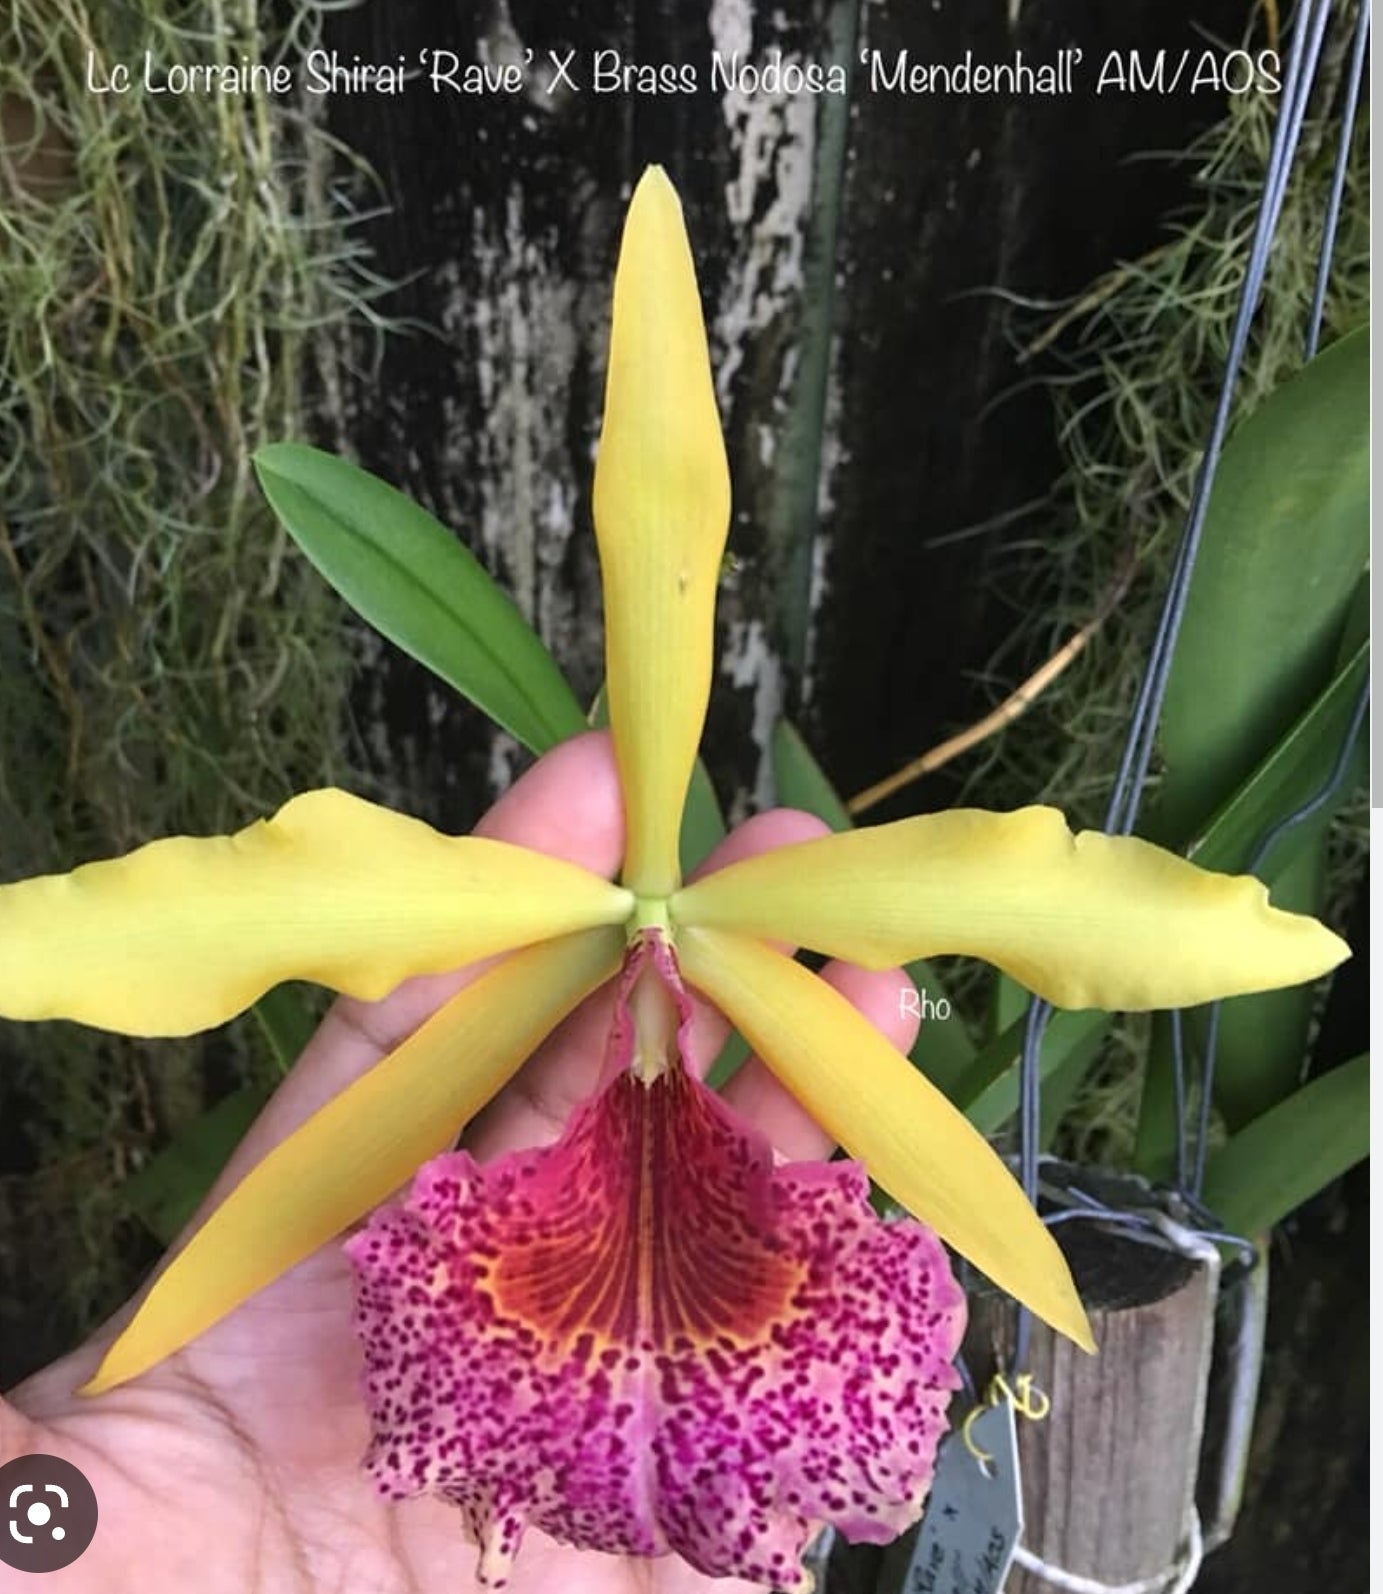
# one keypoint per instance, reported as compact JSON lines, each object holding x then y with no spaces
{"x":49,"y":1511}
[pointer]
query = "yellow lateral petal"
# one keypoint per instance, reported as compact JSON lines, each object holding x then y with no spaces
{"x":1085,"y":921}
{"x":359,"y":1148}
{"x":185,"y":932}
{"x":925,"y":1153}
{"x":662,"y":510}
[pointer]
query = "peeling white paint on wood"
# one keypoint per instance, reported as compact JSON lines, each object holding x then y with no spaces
{"x":512,"y":312}
{"x":732,"y":26}
{"x":513,"y":319}
{"x":774,"y":139}
{"x":505,"y":755}
{"x":768,"y":199}
{"x":835,"y":458}
{"x":751,"y":664}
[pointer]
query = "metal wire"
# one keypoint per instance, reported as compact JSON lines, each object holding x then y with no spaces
{"x":1126,"y":798}
{"x":1313,"y":805}
{"x":1179,"y":1096}
{"x":1194,"y":1178}
{"x":1308,"y":33}
{"x":1337,"y":183}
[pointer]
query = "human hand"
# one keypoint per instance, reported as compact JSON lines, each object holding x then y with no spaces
{"x":235,"y":1464}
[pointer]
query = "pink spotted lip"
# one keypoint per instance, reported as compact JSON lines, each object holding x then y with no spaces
{"x":645,"y":1339}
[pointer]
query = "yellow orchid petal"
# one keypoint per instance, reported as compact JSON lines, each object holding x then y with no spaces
{"x":359,"y":1148}
{"x":185,"y":932}
{"x":662,"y":510}
{"x":1085,"y":921}
{"x":915,"y":1144}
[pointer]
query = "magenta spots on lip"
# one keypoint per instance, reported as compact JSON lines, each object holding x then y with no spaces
{"x":645,"y":1338}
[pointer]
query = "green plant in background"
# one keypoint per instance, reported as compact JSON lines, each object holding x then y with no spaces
{"x":1270,"y":664}
{"x":165,"y":267}
{"x":1272,"y":660}
{"x":1140,"y":354}
{"x":1139,"y":357}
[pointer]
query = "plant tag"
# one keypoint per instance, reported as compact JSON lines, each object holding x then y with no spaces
{"x":974,"y":1515}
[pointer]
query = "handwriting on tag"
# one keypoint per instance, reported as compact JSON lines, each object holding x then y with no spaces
{"x":975,"y":1513}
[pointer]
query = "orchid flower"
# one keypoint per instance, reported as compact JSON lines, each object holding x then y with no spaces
{"x":647,"y":1337}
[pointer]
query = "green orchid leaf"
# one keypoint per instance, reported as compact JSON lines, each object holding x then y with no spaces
{"x":1061,"y":1083}
{"x":406,"y":574}
{"x":1261,"y":1040}
{"x":1292,"y":773}
{"x":1154,"y":1154}
{"x":801,"y":782}
{"x":1264,"y":1040}
{"x":1284,"y":543}
{"x":1261,"y":1043}
{"x":1260,"y":696}
{"x":943,"y":1049}
{"x":703,"y":824}
{"x":987,"y":1093}
{"x":732,"y":1057}
{"x":1008,"y":1002}
{"x":286,"y":1017}
{"x":1292,"y":1151}
{"x":170,"y":1187}
{"x":1358,"y":620}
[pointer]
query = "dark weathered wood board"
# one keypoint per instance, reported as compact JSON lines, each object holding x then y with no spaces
{"x":1109,"y":1473}
{"x":505,"y":217}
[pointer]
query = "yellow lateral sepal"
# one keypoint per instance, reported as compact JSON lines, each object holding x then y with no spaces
{"x":186,"y":932}
{"x":358,"y":1149}
{"x":1085,"y":921}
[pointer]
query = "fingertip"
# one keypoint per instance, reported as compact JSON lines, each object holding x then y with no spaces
{"x":886,"y":997}
{"x":776,"y":827}
{"x":568,"y":805}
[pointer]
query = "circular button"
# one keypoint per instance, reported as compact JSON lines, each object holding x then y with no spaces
{"x":47,"y":1513}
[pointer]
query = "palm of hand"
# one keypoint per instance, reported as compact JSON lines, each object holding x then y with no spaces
{"x":235,"y":1467}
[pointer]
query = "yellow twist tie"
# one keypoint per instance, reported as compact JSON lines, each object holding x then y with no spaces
{"x":1029,"y":1401}
{"x":1026,"y":1399}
